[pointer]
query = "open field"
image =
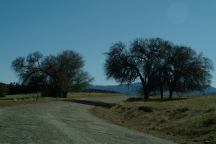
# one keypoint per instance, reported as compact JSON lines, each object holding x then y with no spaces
{"x":186,"y":120}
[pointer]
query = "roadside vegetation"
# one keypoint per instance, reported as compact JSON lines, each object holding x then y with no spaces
{"x":189,"y":120}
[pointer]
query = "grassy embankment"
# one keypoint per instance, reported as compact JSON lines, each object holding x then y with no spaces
{"x":189,"y":120}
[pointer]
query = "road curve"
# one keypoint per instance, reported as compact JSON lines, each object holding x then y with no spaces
{"x":64,"y":122}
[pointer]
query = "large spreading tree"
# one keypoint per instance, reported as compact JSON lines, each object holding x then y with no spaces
{"x":159,"y":65}
{"x":54,"y":75}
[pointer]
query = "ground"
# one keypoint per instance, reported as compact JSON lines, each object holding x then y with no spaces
{"x":189,"y":120}
{"x":66,"y":121}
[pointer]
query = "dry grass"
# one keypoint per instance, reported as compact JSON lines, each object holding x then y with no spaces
{"x":90,"y":94}
{"x":21,"y":99}
{"x":190,"y":120}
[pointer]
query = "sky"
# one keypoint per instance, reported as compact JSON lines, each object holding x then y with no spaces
{"x":90,"y":27}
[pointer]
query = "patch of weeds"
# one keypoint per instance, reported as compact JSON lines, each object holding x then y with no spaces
{"x":181,"y":110}
{"x":119,"y":108}
{"x":178,"y":113}
{"x":208,"y":122}
{"x":134,"y":99}
{"x":15,"y":99}
{"x":163,"y":121}
{"x":210,"y":110}
{"x":145,"y":109}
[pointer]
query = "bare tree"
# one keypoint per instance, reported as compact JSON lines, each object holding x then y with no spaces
{"x":141,"y":61}
{"x":187,"y":70}
{"x":60,"y":73}
{"x":159,"y":64}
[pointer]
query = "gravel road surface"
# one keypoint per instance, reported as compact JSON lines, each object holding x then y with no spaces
{"x":65,"y":122}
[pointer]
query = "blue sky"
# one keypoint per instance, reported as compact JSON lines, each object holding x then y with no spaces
{"x":90,"y":27}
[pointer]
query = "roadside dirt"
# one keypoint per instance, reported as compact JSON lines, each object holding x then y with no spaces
{"x":65,"y":122}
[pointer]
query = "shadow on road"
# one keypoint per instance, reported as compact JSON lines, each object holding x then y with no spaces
{"x":90,"y":102}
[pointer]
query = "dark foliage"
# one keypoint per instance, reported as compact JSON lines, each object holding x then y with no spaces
{"x":3,"y":89}
{"x":52,"y":75}
{"x":159,"y":65}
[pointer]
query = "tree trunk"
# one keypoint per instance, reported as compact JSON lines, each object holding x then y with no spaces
{"x":146,"y":95}
{"x":64,"y":94}
{"x":144,"y":85}
{"x":161,"y":91}
{"x":170,"y":93}
{"x":146,"y":92}
{"x":37,"y":96}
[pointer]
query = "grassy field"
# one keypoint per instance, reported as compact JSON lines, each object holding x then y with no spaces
{"x":185,"y":120}
{"x":90,"y":94}
{"x":21,"y":99}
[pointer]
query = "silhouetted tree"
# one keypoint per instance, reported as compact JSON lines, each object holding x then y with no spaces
{"x":59,"y":73}
{"x":141,"y":61}
{"x":160,"y":65}
{"x":161,"y":74}
{"x":16,"y":88}
{"x":187,"y":70}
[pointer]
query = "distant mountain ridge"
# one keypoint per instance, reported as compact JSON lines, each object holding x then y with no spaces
{"x":123,"y":88}
{"x":134,"y":88}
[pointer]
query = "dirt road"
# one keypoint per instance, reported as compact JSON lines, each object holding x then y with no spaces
{"x":64,"y":122}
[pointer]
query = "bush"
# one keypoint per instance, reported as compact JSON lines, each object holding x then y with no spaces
{"x":145,"y":109}
{"x":3,"y":89}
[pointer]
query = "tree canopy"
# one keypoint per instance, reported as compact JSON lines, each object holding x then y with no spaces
{"x":57,"y":75}
{"x":159,"y":65}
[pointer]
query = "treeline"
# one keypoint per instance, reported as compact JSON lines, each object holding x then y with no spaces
{"x":3,"y":89}
{"x":160,"y":65}
{"x":15,"y":88}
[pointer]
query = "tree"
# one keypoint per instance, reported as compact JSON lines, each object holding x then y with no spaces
{"x":141,"y":61}
{"x":59,"y":74}
{"x":187,"y":70}
{"x":161,"y":74}
{"x":160,"y":65}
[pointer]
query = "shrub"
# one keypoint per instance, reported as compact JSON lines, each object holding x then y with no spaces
{"x":3,"y":89}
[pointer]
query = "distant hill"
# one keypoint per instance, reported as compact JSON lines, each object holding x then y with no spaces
{"x":135,"y":87}
{"x":210,"y":90}
{"x":123,"y":88}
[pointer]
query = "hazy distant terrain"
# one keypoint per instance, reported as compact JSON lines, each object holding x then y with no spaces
{"x":135,"y":87}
